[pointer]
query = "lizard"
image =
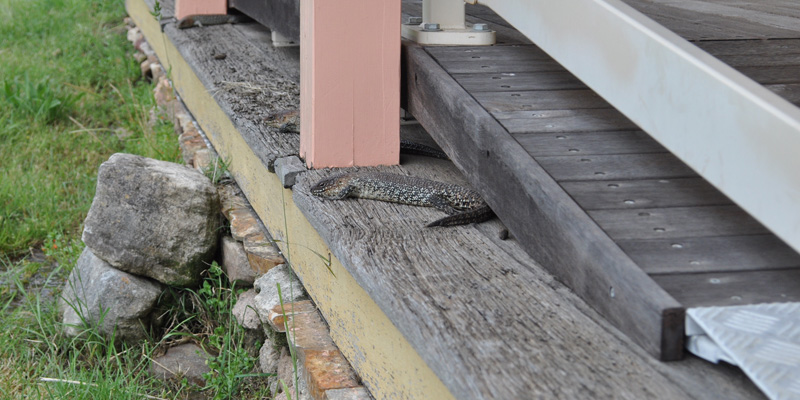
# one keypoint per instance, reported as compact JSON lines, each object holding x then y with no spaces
{"x":193,"y":20}
{"x":463,"y":205}
{"x":288,"y":121}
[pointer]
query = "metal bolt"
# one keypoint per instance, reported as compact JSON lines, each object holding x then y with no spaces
{"x":431,"y":27}
{"x":414,"y":20}
{"x":480,"y":27}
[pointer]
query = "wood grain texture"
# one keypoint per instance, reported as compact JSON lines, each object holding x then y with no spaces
{"x":615,"y":166}
{"x":644,"y":193}
{"x":588,"y":143}
{"x":733,"y":288}
{"x":677,"y":222}
{"x":711,"y":254}
{"x":585,"y":120}
{"x":540,"y":100}
{"x":514,"y":82}
{"x":539,"y":214}
{"x":253,"y":80}
{"x":716,"y":20}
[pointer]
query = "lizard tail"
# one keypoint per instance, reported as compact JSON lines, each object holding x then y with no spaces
{"x":479,"y":214}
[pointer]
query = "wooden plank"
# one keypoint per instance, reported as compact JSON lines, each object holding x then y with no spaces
{"x":697,"y":20}
{"x":790,"y":92}
{"x":733,"y":288}
{"x":514,"y":82}
{"x":647,"y":193}
{"x":282,"y":16}
{"x":611,"y":167}
{"x":588,"y":143}
{"x":711,"y":254}
{"x":584,"y":120}
{"x":540,"y":100}
{"x":677,"y":222}
{"x":506,"y":66}
{"x":455,"y":53}
{"x":523,"y":195}
{"x":782,"y":74}
{"x":719,"y":48}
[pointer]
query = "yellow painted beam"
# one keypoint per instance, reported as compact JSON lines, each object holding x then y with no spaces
{"x":383,"y":358}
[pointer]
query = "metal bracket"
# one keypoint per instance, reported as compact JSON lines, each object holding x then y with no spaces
{"x":443,"y":23}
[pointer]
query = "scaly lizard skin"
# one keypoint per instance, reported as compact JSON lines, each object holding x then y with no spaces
{"x":464,"y":205}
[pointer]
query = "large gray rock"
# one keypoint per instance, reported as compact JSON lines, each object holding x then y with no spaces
{"x":235,"y":263}
{"x":183,"y":361}
{"x":267,"y":288}
{"x":153,"y":218}
{"x":97,"y":294}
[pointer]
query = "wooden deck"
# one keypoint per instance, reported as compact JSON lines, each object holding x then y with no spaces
{"x":439,"y":313}
{"x":599,"y":203}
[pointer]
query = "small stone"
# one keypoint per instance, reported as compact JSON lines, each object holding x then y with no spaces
{"x":231,"y":198}
{"x":354,"y":393}
{"x":268,"y":358}
{"x":153,"y":218}
{"x":326,"y":370}
{"x":190,"y":141}
{"x":288,"y":168}
{"x":182,"y":361}
{"x":278,"y":315}
{"x":202,"y":159}
{"x":262,"y":253}
{"x":97,"y":293}
{"x":245,"y":312}
{"x":163,"y":92}
{"x":235,"y":263}
{"x":309,"y":332}
{"x":139,"y":57}
{"x":267,"y":284}
{"x":156,"y":71}
{"x":244,"y":223}
{"x":133,"y":34}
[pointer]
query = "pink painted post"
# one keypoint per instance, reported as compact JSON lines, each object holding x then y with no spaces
{"x":349,"y":82}
{"x":184,"y":8}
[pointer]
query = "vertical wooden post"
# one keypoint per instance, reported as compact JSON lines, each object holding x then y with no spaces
{"x":350,"y":82}
{"x":184,"y":8}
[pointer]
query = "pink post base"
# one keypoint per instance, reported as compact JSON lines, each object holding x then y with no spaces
{"x":349,"y":82}
{"x":184,"y":8}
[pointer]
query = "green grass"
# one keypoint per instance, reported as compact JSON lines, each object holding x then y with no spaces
{"x":70,"y":96}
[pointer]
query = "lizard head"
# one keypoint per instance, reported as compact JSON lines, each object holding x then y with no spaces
{"x":335,"y":187}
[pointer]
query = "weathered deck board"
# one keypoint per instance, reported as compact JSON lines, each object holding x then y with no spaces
{"x":615,"y":166}
{"x":512,"y":82}
{"x":733,"y":288}
{"x":716,"y":20}
{"x":710,"y":254}
{"x":564,"y":237}
{"x":585,"y":120}
{"x":588,"y":143}
{"x":644,"y":193}
{"x":677,"y":222}
{"x":540,"y":100}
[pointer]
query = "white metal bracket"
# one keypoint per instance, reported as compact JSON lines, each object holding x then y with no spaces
{"x":443,"y":23}
{"x":279,"y":40}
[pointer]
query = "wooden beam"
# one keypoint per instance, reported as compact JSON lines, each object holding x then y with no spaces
{"x":350,"y":82}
